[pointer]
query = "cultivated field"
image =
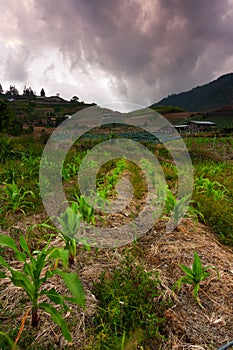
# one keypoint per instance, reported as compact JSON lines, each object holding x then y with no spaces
{"x":160,"y":291}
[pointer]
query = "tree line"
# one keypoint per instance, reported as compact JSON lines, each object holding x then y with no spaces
{"x":27,"y":91}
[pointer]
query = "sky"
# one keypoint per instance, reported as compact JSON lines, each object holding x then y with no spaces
{"x":135,"y":51}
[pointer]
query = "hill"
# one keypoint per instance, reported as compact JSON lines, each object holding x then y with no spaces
{"x":34,"y":111}
{"x":216,"y":94}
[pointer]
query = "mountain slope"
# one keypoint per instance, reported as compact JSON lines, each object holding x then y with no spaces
{"x":215,"y":94}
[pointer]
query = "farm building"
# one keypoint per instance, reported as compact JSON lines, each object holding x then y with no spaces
{"x":192,"y":127}
{"x":171,"y":129}
{"x":182,"y":128}
{"x":197,"y":126}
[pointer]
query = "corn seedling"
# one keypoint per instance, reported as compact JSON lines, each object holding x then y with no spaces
{"x":170,"y":201}
{"x":179,"y":208}
{"x":15,"y":198}
{"x":82,"y":207}
{"x":194,"y":276}
{"x":70,"y":224}
{"x":73,"y":169}
{"x":107,"y":184}
{"x":210,"y":188}
{"x":66,"y":174}
{"x":30,"y":164}
{"x":32,"y":279}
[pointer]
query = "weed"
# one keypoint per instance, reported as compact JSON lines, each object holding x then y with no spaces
{"x":217,"y":214}
{"x":129,"y":301}
{"x":6,"y":149}
{"x":8,"y":340}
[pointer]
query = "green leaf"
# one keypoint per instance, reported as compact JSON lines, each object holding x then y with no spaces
{"x":55,"y":297}
{"x":185,"y":280}
{"x":74,"y":284}
{"x":187,"y":270}
{"x":21,"y":280}
{"x":39,"y":264}
{"x":197,"y":267}
{"x":2,"y":275}
{"x":58,"y":319}
{"x":8,"y":242}
{"x":24,"y":245}
{"x":57,"y":253}
{"x":3,"y":262}
{"x":48,"y":274}
{"x":21,"y":256}
{"x":204,"y":275}
{"x":28,"y":269}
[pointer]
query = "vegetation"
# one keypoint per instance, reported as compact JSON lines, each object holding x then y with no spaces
{"x":8,"y":121}
{"x":131,"y":301}
{"x":30,"y":279}
{"x":166,"y":109}
{"x":194,"y":276}
{"x":131,"y":308}
{"x":201,"y":97}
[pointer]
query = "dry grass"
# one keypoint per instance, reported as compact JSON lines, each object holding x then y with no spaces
{"x":189,"y":326}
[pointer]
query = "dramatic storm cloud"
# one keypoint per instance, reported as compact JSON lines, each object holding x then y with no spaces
{"x":102,"y":50}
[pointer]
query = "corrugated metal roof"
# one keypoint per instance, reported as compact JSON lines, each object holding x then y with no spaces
{"x":202,"y":122}
{"x":181,"y":126}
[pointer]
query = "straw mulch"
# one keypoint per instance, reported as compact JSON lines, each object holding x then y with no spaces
{"x":188,"y":325}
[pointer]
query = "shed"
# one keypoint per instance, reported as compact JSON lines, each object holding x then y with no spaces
{"x":197,"y":126}
{"x":182,"y":128}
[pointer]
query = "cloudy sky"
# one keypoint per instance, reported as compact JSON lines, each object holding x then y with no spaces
{"x":137,"y":51}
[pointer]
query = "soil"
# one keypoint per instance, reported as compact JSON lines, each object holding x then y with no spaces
{"x":189,"y":326}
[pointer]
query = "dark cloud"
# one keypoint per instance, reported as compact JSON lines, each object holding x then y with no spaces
{"x":148,"y":48}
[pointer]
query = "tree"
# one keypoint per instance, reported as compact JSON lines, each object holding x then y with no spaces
{"x":42,"y":93}
{"x":9,"y":123}
{"x":13,"y":91}
{"x":1,"y":89}
{"x":74,"y":99}
{"x":28,"y":91}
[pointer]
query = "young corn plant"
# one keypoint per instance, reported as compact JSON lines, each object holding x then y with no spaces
{"x":15,"y":198}
{"x":66,"y":175}
{"x":210,"y":188}
{"x":170,"y":200}
{"x":107,"y":183}
{"x":194,"y":276}
{"x":86,"y":211}
{"x":70,"y":224}
{"x":37,"y":268}
{"x":30,"y":164}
